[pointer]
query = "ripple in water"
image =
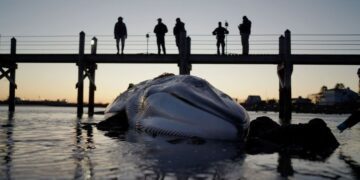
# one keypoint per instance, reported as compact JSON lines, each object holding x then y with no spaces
{"x":48,"y":142}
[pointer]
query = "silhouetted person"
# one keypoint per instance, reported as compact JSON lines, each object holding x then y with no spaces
{"x":120,"y":33}
{"x":245,"y":31}
{"x":178,"y":29}
{"x":220,"y":36}
{"x":160,"y":30}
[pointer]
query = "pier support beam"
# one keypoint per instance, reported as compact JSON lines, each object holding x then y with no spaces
{"x":12,"y":87}
{"x":80,"y":83}
{"x":12,"y":68}
{"x":86,"y":69}
{"x":91,"y":75}
{"x":358,"y":73}
{"x":8,"y":70}
{"x":185,"y":51}
{"x":92,"y":87}
{"x":284,"y":71}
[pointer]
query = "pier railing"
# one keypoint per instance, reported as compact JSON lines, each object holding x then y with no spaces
{"x":284,"y":50}
{"x":200,"y":44}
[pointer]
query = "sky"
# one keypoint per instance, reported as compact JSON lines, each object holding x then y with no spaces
{"x":21,"y":18}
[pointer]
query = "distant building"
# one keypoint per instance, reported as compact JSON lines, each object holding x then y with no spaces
{"x":300,"y":101}
{"x":253,"y":100}
{"x":314,"y":98}
{"x":336,"y":96}
{"x":301,"y":104}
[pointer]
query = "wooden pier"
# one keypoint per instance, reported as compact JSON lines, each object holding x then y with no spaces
{"x":87,"y":65}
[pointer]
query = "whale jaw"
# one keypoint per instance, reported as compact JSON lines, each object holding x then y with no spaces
{"x":167,"y":115}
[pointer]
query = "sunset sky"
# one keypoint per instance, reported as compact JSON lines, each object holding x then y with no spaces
{"x":24,"y":18}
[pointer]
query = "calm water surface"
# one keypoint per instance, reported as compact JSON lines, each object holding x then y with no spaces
{"x":49,"y":143}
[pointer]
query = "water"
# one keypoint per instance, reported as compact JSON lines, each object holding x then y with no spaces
{"x":49,"y":143}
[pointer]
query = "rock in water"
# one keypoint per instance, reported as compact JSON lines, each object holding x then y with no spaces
{"x":313,"y":140}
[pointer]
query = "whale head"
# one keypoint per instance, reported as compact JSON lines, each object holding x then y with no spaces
{"x":182,"y":106}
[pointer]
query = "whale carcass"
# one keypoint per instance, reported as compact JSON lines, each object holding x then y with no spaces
{"x":181,"y":106}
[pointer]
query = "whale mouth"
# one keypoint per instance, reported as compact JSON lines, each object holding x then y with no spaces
{"x":209,"y":107}
{"x":188,"y":116}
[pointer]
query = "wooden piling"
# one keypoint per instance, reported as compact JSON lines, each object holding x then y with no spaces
{"x":93,"y":45}
{"x":358,"y":73}
{"x":285,"y":69}
{"x":92,"y":88}
{"x":288,"y":73}
{"x":12,"y":88}
{"x":80,"y":83}
{"x":280,"y":69}
{"x":13,"y":46}
{"x":188,"y":53}
{"x":12,"y":68}
{"x":91,"y":69}
{"x":184,"y":52}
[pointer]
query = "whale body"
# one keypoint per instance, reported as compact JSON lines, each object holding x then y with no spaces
{"x":181,"y":106}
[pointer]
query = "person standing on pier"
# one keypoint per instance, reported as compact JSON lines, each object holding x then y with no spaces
{"x":245,"y":30}
{"x":178,"y":29}
{"x":120,"y":33}
{"x":220,"y":36}
{"x":160,"y":30}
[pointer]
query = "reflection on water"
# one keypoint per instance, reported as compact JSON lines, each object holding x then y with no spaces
{"x":8,"y":149}
{"x":183,"y":159}
{"x":285,"y":167}
{"x":83,"y":146}
{"x":50,"y":142}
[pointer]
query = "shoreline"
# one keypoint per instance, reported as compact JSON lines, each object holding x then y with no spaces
{"x":97,"y":105}
{"x":328,"y":110}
